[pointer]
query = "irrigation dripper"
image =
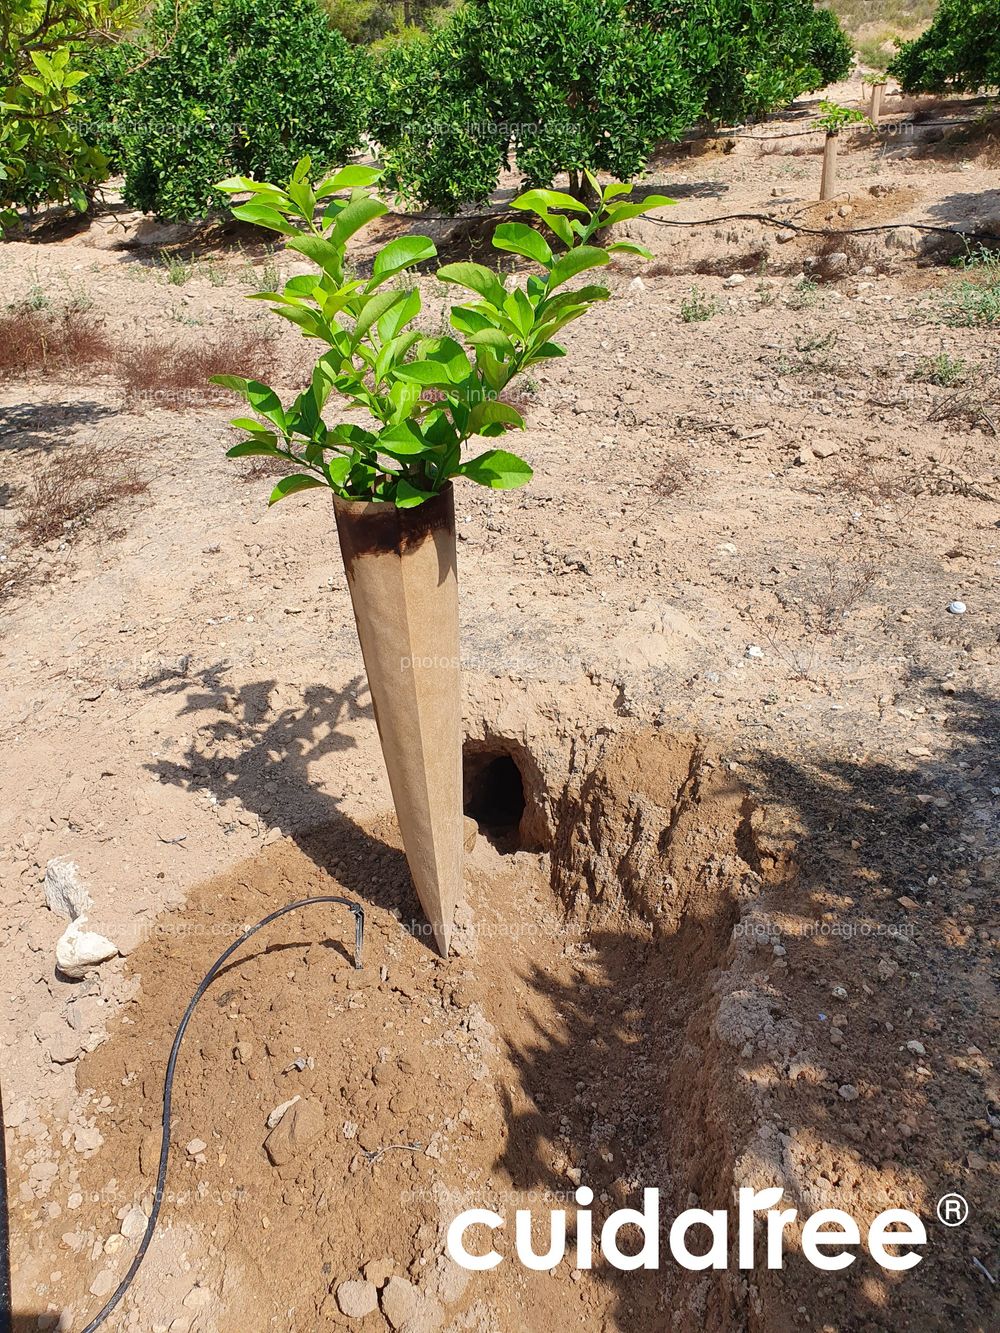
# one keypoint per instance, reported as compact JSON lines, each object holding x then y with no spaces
{"x":168,"y":1082}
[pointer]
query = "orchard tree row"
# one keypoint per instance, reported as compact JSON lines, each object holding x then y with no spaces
{"x":177,"y":95}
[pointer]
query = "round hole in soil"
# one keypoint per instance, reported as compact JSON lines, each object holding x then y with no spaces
{"x":494,"y":795}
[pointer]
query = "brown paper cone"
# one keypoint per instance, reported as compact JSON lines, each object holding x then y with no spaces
{"x":402,"y":574}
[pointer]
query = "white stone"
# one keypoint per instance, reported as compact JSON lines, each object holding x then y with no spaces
{"x":65,"y":891}
{"x":134,"y":1223}
{"x":275,"y":1117}
{"x":80,"y":949}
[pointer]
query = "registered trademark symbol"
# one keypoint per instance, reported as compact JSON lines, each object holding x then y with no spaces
{"x":952,"y":1210}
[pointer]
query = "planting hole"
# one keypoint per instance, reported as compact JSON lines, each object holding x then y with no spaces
{"x":494,"y":795}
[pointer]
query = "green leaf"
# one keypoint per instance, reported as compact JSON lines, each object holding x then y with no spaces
{"x":494,"y":338}
{"x":576,"y":261}
{"x":629,"y":248}
{"x":264,"y":400}
{"x":622,"y":212}
{"x":492,"y":413}
{"x":498,"y":469}
{"x":236,"y":382}
{"x":328,"y":256}
{"x":299,"y":481}
{"x":252,"y":448}
{"x":477,"y":279}
{"x":519,"y":239}
{"x":373,"y":309}
{"x":407,"y":495}
{"x":540,"y":201}
{"x":399,"y":254}
{"x":403,"y":440}
{"x":337,"y":470}
{"x":348,"y":178}
{"x":262,"y":216}
{"x":352,"y":218}
{"x":397,"y":317}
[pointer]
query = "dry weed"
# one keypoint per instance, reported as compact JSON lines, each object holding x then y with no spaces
{"x":71,"y":489}
{"x":37,"y":342}
{"x":164,"y":374}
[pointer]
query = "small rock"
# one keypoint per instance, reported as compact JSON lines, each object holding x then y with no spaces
{"x":886,"y":969}
{"x":378,"y":1271}
{"x":583,"y":406}
{"x":637,"y":285}
{"x":839,"y":993}
{"x":734,"y":280}
{"x":804,"y":457}
{"x":275,"y":1116}
{"x":407,"y":1307}
{"x":849,"y":1092}
{"x":103,"y":1285}
{"x":836,"y":264}
{"x":79,"y":949}
{"x":195,"y":1147}
{"x":825,"y":450}
{"x":298,"y":1128}
{"x":784,"y":236}
{"x":134,"y":1223}
{"x":65,"y":892}
{"x":916,"y":1048}
{"x":198,"y":1298}
{"x":755,"y":652}
{"x":357,"y":1298}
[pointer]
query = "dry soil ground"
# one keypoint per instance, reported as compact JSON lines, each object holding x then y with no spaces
{"x":744,"y":929}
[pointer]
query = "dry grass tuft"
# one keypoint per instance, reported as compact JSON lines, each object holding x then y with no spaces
{"x":36,"y":342}
{"x":71,"y":489}
{"x":163,"y":374}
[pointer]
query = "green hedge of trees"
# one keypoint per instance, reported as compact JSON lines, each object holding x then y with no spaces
{"x":218,"y":88}
{"x":560,"y":85}
{"x":237,"y":87}
{"x":959,"y":52}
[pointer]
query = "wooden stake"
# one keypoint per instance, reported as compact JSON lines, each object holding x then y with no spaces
{"x":878,"y":91}
{"x":828,"y":185}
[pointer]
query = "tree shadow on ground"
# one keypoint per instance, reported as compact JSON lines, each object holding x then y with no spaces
{"x":260,"y":754}
{"x":704,"y":1059}
{"x":41,"y":427}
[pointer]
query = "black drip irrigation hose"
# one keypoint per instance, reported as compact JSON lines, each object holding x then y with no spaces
{"x":161,"y":1175}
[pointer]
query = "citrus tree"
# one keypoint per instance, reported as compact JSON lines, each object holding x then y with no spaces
{"x":565,"y":85}
{"x":224,"y":86}
{"x":959,"y":52}
{"x":551,"y":85}
{"x":423,"y":397}
{"x":46,"y":53}
{"x":753,"y":56}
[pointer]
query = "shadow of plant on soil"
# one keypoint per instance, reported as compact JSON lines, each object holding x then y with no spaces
{"x":635,"y":1084}
{"x":234,"y":756}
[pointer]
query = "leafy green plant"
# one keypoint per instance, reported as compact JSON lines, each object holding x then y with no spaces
{"x":223,"y":86}
{"x":46,"y":52}
{"x":804,"y":294}
{"x":943,"y":370}
{"x":178,"y":271}
{"x":555,"y":86}
{"x":561,"y":86}
{"x":974,"y":302}
{"x":751,"y":56}
{"x":425,"y":395}
{"x":959,"y":52}
{"x":697,"y":306}
{"x":833,"y":117}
